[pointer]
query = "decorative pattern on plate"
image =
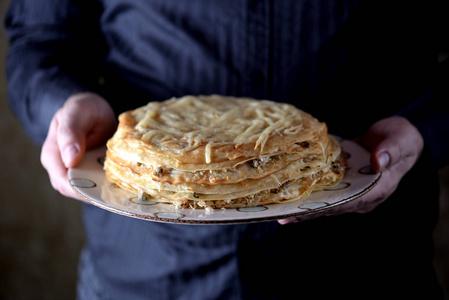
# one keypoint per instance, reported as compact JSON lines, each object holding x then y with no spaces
{"x":340,"y":186}
{"x":101,"y":160}
{"x":169,"y":215}
{"x":313,"y":205}
{"x":367,"y":170}
{"x":252,"y":208}
{"x":82,"y":183}
{"x":90,"y":182}
{"x":141,"y":202}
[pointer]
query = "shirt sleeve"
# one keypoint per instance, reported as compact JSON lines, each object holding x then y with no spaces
{"x":55,"y":50}
{"x":430,"y":114}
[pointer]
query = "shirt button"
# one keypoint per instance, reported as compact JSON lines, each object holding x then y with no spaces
{"x":257,"y":78}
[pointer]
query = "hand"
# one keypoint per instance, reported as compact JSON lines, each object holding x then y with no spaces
{"x":395,"y":146}
{"x":84,"y":121}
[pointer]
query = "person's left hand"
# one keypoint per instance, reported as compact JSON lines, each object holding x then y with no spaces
{"x":395,"y":146}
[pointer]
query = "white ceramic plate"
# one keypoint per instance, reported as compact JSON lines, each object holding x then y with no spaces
{"x":88,"y":180}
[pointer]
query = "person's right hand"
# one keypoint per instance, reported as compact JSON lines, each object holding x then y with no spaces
{"x":84,"y":121}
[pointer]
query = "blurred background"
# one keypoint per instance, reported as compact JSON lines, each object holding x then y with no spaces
{"x":41,"y":232}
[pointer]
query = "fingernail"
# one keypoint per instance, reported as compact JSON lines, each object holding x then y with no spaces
{"x":69,"y":154}
{"x":384,"y":160}
{"x":283,"y":221}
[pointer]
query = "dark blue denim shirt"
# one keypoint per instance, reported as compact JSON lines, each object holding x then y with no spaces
{"x":349,"y":63}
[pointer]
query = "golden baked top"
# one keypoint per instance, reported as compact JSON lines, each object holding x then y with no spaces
{"x":212,"y":129}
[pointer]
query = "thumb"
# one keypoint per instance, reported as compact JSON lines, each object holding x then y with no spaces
{"x":71,"y":136}
{"x":383,"y":139}
{"x":384,"y":155}
{"x":85,"y":121}
{"x":75,"y":121}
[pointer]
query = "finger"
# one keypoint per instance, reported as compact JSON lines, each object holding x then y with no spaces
{"x":52,"y":162}
{"x":58,"y":178}
{"x":50,"y":157}
{"x":328,"y":212}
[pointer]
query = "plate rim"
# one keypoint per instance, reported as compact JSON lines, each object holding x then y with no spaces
{"x":104,"y":205}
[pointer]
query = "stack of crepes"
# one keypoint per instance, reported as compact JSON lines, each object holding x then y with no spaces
{"x":222,"y":152}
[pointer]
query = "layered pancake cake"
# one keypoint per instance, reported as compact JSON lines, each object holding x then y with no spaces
{"x":222,"y":152}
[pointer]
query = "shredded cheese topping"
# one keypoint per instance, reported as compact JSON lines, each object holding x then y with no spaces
{"x":194,"y":121}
